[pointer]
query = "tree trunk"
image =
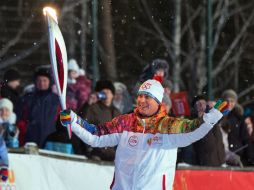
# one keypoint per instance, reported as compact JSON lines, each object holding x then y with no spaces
{"x":176,"y":47}
{"x":201,"y":71}
{"x":107,"y":40}
{"x":83,"y":34}
{"x":72,"y":35}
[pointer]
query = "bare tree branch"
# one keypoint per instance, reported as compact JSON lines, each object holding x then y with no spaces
{"x":23,"y":54}
{"x":219,"y":27}
{"x":164,"y":39}
{"x":240,"y":9}
{"x":195,"y":14}
{"x":156,"y":36}
{"x":233,"y":45}
{"x":19,"y":34}
{"x":246,"y":91}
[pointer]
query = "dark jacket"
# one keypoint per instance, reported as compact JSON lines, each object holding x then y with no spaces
{"x":209,"y":150}
{"x":233,"y":124}
{"x":37,"y":115}
{"x":100,"y":113}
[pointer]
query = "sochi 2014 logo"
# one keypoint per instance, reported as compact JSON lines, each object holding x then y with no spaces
{"x":133,"y":140}
{"x":154,"y":141}
{"x":146,"y":86}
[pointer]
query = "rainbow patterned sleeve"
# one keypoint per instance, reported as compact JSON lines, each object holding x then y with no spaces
{"x":180,"y":125}
{"x":116,"y":125}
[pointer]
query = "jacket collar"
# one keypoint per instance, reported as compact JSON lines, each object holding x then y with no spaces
{"x":154,"y":118}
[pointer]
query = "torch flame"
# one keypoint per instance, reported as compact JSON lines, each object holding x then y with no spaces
{"x":51,"y":12}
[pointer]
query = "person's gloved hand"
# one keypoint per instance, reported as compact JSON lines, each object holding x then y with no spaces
{"x":233,"y":159}
{"x":217,"y":112}
{"x":4,"y":173}
{"x":67,"y":117}
{"x":222,"y":106}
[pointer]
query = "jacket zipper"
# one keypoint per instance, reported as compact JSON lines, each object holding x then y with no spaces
{"x":139,"y":154}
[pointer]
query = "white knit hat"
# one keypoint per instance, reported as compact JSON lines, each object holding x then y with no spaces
{"x":6,"y":103}
{"x":72,"y":65}
{"x":119,"y":87}
{"x":152,"y":88}
{"x":81,"y":72}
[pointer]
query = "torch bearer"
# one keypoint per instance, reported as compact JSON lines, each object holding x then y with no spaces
{"x":58,"y":57}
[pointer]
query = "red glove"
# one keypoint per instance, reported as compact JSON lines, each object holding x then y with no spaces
{"x":4,"y":173}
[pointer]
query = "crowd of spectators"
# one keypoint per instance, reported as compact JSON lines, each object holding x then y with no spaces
{"x":32,"y":115}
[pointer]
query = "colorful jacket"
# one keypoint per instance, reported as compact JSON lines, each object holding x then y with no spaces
{"x":147,"y":148}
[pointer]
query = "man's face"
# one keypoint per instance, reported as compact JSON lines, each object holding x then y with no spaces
{"x":5,"y":113}
{"x":73,"y":74}
{"x":146,"y":105}
{"x":167,"y":90}
{"x":14,"y":84}
{"x":118,"y":96}
{"x":200,"y":107}
{"x":109,"y":97}
{"x":159,"y":72}
{"x":231,"y":103}
{"x":42,"y":83}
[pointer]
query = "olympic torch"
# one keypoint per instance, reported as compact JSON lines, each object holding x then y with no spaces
{"x":58,"y":57}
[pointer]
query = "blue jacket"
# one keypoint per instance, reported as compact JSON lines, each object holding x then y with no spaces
{"x":37,"y":115}
{"x":4,"y":161}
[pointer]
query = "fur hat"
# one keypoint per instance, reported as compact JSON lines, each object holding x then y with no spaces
{"x":152,"y":88}
{"x":6,"y":103}
{"x":230,"y":94}
{"x":150,"y":69}
{"x":197,"y":98}
{"x":104,"y":84}
{"x":11,"y":75}
{"x":43,"y":71}
{"x":73,"y":66}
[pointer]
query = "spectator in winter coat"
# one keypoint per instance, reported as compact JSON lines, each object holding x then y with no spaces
{"x":102,"y":111}
{"x":167,"y":103}
{"x":209,"y":150}
{"x":234,"y":131}
{"x":6,"y":107}
{"x":168,"y":86}
{"x":157,"y":69}
{"x":146,"y":139}
{"x":78,"y":86}
{"x":10,"y":85}
{"x":38,"y":110}
{"x":122,"y":99}
{"x":249,"y":153}
{"x":8,"y":128}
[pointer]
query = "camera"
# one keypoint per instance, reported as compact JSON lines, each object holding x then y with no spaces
{"x":10,"y":134}
{"x":101,"y":95}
